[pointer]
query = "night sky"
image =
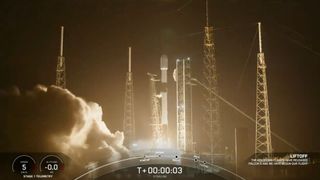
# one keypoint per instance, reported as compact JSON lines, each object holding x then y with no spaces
{"x":98,"y":33}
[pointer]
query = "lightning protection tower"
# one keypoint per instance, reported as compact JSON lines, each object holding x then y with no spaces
{"x":263,"y":132}
{"x":128,"y":121}
{"x":212,"y":107}
{"x":61,"y":66}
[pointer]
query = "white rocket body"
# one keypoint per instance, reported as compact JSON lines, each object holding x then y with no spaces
{"x":163,"y":92}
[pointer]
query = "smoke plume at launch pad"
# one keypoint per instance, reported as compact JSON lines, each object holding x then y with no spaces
{"x":52,"y":119}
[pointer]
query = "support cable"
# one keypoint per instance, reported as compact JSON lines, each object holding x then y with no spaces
{"x":247,"y":60}
{"x":243,"y":113}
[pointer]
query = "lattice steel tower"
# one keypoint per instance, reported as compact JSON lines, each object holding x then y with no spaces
{"x":263,"y":132}
{"x":128,"y":121}
{"x":61,"y":66}
{"x":155,"y":111}
{"x":182,"y":76}
{"x":212,"y":107}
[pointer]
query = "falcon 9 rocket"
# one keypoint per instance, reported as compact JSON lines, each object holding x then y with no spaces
{"x":164,"y":98}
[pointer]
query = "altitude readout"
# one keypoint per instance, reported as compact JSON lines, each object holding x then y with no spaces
{"x":51,"y":164}
{"x":160,"y":170}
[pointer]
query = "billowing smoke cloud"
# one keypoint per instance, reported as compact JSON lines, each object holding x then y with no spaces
{"x":51,"y":119}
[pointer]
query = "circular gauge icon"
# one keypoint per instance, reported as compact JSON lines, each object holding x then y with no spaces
{"x":51,"y":164}
{"x":23,"y":164}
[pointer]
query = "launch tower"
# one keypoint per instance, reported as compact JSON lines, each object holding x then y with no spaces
{"x":182,"y":76}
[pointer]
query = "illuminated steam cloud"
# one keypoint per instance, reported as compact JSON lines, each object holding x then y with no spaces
{"x":51,"y":119}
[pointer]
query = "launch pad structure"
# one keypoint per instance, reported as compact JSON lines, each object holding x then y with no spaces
{"x":182,"y":76}
{"x":212,"y":119}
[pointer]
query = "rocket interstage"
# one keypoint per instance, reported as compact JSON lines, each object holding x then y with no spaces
{"x":164,"y":68}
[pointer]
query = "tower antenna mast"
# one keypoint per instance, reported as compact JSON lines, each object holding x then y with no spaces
{"x":211,"y":106}
{"x":128,"y":121}
{"x":61,"y":66}
{"x":207,"y":13}
{"x":263,"y":133}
